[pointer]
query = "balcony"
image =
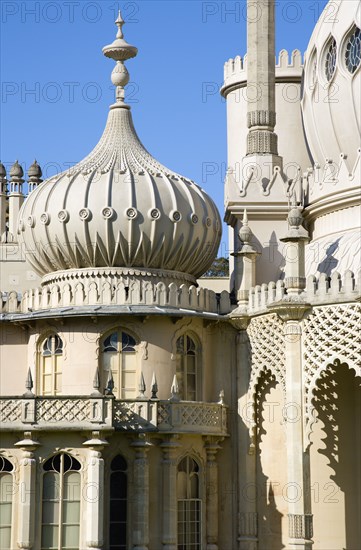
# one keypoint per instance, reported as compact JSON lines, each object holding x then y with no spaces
{"x":78,"y":413}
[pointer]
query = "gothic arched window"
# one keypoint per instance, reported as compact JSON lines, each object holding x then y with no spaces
{"x":6,"y":497}
{"x":353,"y":51}
{"x":331,"y":58}
{"x":189,"y":505}
{"x":51,"y":364}
{"x":188,"y":368}
{"x":61,"y":503}
{"x":118,"y":504}
{"x":119,"y":355}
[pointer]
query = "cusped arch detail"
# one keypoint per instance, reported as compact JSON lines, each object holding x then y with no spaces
{"x":310,"y":415}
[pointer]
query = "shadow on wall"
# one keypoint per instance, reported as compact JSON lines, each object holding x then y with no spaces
{"x":338,"y":404}
{"x":269,"y":516}
{"x":329,"y":263}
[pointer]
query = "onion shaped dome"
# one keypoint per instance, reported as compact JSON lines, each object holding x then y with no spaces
{"x":119,"y":207}
{"x":332,"y":84}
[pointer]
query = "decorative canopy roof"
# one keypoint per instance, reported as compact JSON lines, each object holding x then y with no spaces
{"x":119,"y":207}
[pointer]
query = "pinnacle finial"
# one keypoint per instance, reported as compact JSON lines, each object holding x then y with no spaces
{"x":29,"y":384}
{"x":119,"y":23}
{"x":110,"y":384}
{"x":174,"y":390}
{"x":120,"y":51}
{"x":154,"y":387}
{"x":141,"y":387}
{"x":245,"y":233}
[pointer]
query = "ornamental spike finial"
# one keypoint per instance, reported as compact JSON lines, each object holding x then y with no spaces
{"x":110,"y":384}
{"x":29,"y":384}
{"x":120,"y":51}
{"x":174,"y":390}
{"x":141,"y":387}
{"x":154,"y":387}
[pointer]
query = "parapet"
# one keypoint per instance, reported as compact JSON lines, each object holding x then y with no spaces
{"x":289,"y":68}
{"x":89,"y":293}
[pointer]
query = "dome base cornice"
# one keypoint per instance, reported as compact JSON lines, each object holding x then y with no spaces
{"x":117,"y":275}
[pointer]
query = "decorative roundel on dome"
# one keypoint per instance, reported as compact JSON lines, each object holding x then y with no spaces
{"x":63,"y":216}
{"x":45,"y":218}
{"x":154,"y":214}
{"x":31,"y":221}
{"x":175,"y":216}
{"x":353,"y":51}
{"x":131,"y":213}
{"x":208,"y":222}
{"x":330,"y":59}
{"x":108,"y":212}
{"x":85,"y":214}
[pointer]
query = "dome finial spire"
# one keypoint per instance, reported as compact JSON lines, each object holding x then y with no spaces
{"x":119,"y":23}
{"x":120,"y":51}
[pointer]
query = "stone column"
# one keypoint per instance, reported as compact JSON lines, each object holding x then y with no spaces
{"x":169,"y":490}
{"x":298,"y":491}
{"x":291,"y":310}
{"x":212,"y":447}
{"x":247,"y":482}
{"x":95,"y":492}
{"x":140,"y":531}
{"x":27,"y":493}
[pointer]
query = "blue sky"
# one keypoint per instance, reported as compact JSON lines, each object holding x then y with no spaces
{"x":56,"y":85}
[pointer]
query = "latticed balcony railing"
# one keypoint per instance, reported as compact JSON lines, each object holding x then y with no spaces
{"x":94,"y":413}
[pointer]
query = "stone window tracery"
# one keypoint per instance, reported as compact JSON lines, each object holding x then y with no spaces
{"x":331,"y":58}
{"x":187,"y":368}
{"x":189,"y":505}
{"x":118,"y":504}
{"x":119,"y":356}
{"x":51,"y":363}
{"x":61,"y":503}
{"x":353,"y":51}
{"x":6,"y":492}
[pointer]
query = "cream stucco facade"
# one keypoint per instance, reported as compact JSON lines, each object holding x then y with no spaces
{"x":141,"y":410}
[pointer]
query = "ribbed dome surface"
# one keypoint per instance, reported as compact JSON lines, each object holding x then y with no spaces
{"x":331,"y":103}
{"x":119,"y":207}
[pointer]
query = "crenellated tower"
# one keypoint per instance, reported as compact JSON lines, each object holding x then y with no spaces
{"x":267,"y":154}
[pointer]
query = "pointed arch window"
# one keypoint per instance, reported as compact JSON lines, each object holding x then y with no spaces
{"x":119,"y":356}
{"x":189,"y":505}
{"x":353,"y":51}
{"x":51,"y":366}
{"x":6,"y":493}
{"x":118,"y":504}
{"x":188,"y":368}
{"x":61,"y":503}
{"x":331,"y":59}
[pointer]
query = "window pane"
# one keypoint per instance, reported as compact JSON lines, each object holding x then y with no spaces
{"x":191,"y":364}
{"x":70,"y":536}
{"x":6,"y":487}
{"x":71,"y":512}
{"x":129,"y":381}
{"x":51,"y":486}
{"x":47,"y":362}
{"x":118,"y":463}
{"x":50,"y":512}
{"x":5,"y":514}
{"x":118,"y":485}
{"x":49,"y":536}
{"x":72,"y":486}
{"x":5,"y":538}
{"x":128,"y":343}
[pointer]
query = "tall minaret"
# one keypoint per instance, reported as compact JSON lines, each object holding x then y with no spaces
{"x":255,"y":179}
{"x":261,"y":115}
